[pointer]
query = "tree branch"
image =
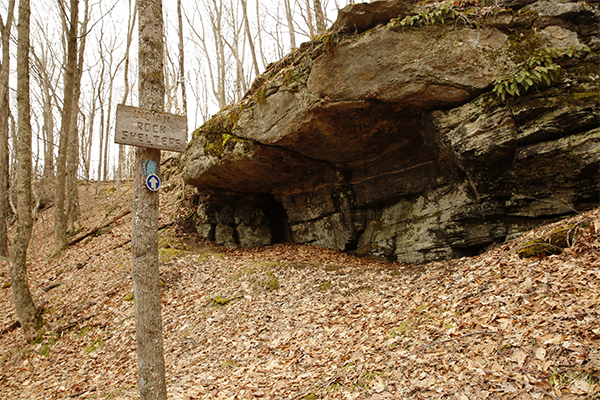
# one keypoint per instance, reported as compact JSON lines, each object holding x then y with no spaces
{"x":123,"y":213}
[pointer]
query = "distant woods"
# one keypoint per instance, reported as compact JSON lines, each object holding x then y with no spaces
{"x":83,"y":62}
{"x":75,"y":61}
{"x":68,"y":65}
{"x":234,"y":40}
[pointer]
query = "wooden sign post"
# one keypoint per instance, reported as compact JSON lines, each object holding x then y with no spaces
{"x":150,"y":129}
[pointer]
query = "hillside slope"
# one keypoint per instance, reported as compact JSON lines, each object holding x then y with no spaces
{"x":299,"y":322}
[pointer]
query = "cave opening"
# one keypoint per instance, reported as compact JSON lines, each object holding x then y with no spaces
{"x":278,"y":220}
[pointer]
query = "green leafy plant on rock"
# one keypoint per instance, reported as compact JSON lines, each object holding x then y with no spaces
{"x":440,"y":14}
{"x":538,"y":69}
{"x":444,"y":13}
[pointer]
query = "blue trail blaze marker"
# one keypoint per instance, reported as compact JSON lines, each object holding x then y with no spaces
{"x":153,"y":182}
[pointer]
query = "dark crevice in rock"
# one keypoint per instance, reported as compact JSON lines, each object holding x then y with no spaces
{"x":278,"y":221}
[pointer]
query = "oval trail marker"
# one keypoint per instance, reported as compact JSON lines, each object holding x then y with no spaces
{"x":153,"y":182}
{"x":152,"y":129}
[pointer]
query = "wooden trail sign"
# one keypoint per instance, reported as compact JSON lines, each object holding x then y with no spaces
{"x":152,"y":129}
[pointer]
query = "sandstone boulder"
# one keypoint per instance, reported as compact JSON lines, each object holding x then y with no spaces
{"x":391,"y":142}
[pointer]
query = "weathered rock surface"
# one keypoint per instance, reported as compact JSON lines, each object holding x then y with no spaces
{"x":391,"y":142}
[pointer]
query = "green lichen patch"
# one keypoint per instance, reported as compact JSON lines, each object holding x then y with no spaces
{"x":222,"y":122}
{"x":48,"y":341}
{"x":404,"y":326}
{"x":561,"y":237}
{"x":94,"y":346}
{"x":333,"y":268}
{"x":261,"y":275}
{"x":553,"y":242}
{"x":87,"y":329}
{"x":224,"y":300}
{"x":537,"y":248}
{"x":207,"y":257}
{"x":269,"y":283}
{"x":324,"y":286}
{"x":168,"y":255}
{"x":128,"y":297}
{"x":594,"y":96}
{"x":172,"y":243}
{"x":170,"y":249}
{"x":523,"y":43}
{"x":567,"y":236}
{"x":261,"y":96}
{"x":216,"y":143}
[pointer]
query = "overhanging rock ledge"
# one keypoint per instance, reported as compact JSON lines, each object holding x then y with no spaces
{"x":391,"y":142}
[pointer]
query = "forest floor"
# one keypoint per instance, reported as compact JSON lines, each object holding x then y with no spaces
{"x":297,"y":322}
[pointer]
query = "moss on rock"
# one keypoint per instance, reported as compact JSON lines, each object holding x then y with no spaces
{"x":537,"y":248}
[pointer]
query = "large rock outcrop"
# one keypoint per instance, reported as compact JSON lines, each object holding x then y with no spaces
{"x":388,"y":140}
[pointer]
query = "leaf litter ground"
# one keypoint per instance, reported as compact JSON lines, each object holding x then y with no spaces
{"x":299,"y":322}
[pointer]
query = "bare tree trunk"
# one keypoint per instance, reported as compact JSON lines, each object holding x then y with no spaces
{"x":48,"y":131}
{"x":238,"y":55}
{"x":181,"y":59}
{"x":101,"y":147}
{"x":217,"y":77}
{"x":309,"y":20}
{"x":72,"y":198}
{"x":4,"y":111}
{"x":258,"y":33}
{"x":13,"y":156}
{"x":107,"y":131}
{"x":217,"y":21}
{"x":31,"y":321}
{"x":130,"y":27}
{"x":73,"y":150}
{"x":88,"y":138}
{"x":60,"y":218}
{"x":46,"y":79}
{"x":290,"y":20}
{"x":170,"y":71}
{"x":83,"y":146}
{"x":249,"y":36}
{"x":319,"y":17}
{"x":144,"y":235}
